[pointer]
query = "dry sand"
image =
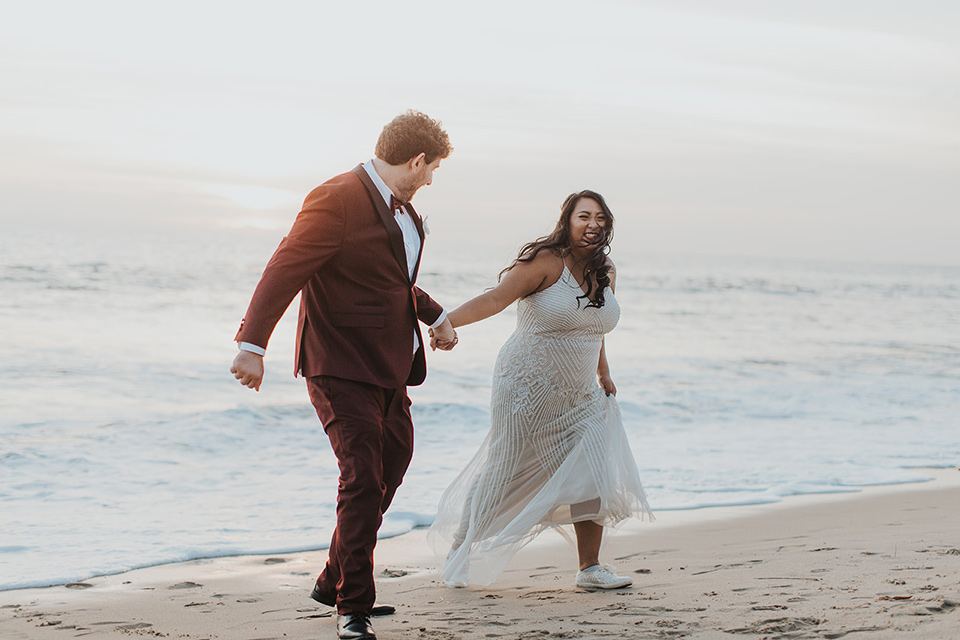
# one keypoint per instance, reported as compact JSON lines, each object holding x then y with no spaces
{"x":884,"y":563}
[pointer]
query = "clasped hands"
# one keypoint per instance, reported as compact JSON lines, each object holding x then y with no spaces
{"x":443,"y":337}
{"x":248,"y":367}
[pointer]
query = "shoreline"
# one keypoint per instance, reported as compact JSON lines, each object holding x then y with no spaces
{"x":881,"y":562}
{"x":675,"y":517}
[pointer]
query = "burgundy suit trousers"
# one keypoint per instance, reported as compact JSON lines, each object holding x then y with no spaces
{"x":371,"y":432}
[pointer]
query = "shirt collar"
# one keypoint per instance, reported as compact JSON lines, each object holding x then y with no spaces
{"x":382,"y":187}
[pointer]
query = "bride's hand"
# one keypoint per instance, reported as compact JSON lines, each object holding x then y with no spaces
{"x":607,"y":383}
{"x":443,"y":337}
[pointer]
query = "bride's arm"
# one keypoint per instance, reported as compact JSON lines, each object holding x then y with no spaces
{"x":603,"y":372}
{"x":612,"y":273}
{"x":520,"y":281}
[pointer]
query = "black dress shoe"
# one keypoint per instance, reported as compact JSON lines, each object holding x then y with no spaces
{"x":355,"y":626}
{"x":331,"y":601}
{"x":323,"y":598}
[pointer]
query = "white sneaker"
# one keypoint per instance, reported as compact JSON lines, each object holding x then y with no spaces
{"x":603,"y":578}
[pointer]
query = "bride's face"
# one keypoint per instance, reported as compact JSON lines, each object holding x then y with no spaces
{"x":587,"y":223}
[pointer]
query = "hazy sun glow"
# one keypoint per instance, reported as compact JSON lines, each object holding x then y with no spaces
{"x":256,"y":197}
{"x":815,"y":129}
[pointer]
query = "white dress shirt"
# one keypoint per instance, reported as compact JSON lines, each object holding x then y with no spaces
{"x":411,"y":245}
{"x":411,"y":238}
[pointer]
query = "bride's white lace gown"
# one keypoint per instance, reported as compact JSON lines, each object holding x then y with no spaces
{"x":556,"y":452}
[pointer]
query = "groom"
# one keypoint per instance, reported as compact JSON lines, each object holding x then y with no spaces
{"x":353,"y":254}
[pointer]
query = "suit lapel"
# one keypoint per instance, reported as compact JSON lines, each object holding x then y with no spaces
{"x":386,"y":216}
{"x":419,"y":224}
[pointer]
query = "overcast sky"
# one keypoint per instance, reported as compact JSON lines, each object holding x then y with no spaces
{"x":813,"y":128}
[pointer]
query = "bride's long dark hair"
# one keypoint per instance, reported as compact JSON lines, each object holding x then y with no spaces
{"x":596,"y":266}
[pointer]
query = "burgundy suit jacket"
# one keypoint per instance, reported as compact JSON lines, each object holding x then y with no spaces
{"x":359,"y":307}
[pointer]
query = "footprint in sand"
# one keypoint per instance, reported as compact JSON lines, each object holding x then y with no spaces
{"x":616,"y":608}
{"x":438,"y":635}
{"x":833,"y":635}
{"x":546,"y":571}
{"x":943,"y":551}
{"x":945,"y":607}
{"x":777,"y":625}
{"x":652,"y":552}
{"x":185,"y":585}
{"x":668,"y":624}
{"x":542,"y":595}
{"x":134,"y":626}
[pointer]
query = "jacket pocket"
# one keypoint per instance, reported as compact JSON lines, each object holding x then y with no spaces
{"x":374,"y":320}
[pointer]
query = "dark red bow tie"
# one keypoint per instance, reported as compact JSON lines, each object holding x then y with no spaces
{"x":396,"y":204}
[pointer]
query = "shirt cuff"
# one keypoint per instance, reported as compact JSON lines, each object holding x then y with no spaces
{"x":252,"y":348}
{"x":439,"y":321}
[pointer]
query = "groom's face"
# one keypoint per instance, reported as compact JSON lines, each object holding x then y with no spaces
{"x":426,"y":175}
{"x":420,"y":174}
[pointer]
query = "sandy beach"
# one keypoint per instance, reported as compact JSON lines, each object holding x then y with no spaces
{"x":881,"y":563}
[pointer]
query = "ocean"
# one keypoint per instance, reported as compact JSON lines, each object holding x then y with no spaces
{"x":126,"y":442}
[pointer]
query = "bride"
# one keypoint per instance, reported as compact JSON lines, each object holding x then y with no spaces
{"x":556,"y":453}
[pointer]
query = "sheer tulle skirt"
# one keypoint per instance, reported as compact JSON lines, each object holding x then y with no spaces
{"x":573,"y":468}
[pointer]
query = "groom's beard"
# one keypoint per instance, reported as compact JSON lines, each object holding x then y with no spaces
{"x":406,"y":192}
{"x":408,"y":188}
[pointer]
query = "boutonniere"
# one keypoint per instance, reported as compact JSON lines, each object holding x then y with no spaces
{"x":426,"y":227}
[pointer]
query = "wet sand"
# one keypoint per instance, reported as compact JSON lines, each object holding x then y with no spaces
{"x":882,"y":563}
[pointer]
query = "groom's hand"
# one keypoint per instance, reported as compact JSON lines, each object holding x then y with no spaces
{"x":443,"y":337}
{"x":248,"y":369}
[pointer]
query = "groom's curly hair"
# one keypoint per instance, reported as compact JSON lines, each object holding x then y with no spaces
{"x":597,"y":266}
{"x":410,"y":134}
